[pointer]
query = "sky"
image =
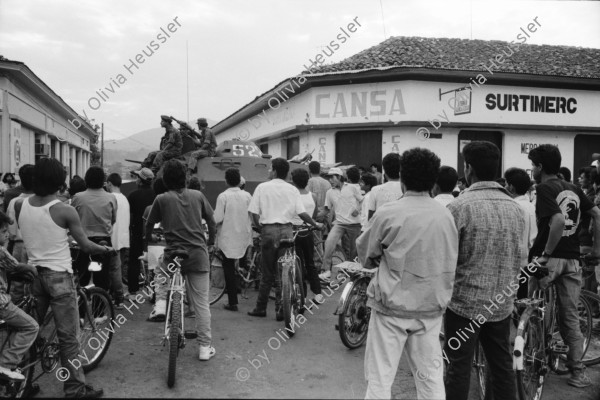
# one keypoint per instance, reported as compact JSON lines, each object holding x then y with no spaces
{"x":229,"y":52}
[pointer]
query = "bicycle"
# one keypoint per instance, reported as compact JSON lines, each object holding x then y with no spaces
{"x":353,"y":313}
{"x":538,"y":347}
{"x":245,"y":276}
{"x":292,"y":282}
{"x":95,"y":308}
{"x":174,"y":332}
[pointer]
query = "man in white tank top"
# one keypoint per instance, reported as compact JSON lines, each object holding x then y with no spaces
{"x":44,"y":222}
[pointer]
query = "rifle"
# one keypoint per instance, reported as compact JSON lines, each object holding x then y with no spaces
{"x":187,"y":126}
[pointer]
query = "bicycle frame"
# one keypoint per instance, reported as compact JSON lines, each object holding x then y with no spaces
{"x":177,"y":285}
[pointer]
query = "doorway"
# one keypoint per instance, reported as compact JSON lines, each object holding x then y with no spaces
{"x":360,"y":148}
{"x":465,"y":137}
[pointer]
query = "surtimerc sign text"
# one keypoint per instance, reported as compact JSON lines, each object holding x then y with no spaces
{"x":531,"y":103}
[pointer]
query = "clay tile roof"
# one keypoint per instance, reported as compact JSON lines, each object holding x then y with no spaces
{"x":470,"y":55}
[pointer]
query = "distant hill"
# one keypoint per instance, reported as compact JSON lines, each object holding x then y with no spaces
{"x":138,"y":145}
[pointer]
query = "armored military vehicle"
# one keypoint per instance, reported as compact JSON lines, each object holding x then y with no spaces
{"x":241,"y":154}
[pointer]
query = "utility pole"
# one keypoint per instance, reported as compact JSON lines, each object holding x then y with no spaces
{"x":102,"y":148}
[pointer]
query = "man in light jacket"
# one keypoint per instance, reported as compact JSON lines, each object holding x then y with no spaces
{"x":416,"y":243}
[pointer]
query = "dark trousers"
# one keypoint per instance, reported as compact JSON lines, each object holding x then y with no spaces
{"x":109,"y":277}
{"x":460,"y":347}
{"x":231,"y":286}
{"x":271,"y":275}
{"x":305,"y":248}
{"x":136,"y":248}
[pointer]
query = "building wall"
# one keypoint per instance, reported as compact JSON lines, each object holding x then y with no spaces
{"x":402,"y":108}
{"x":35,"y":118}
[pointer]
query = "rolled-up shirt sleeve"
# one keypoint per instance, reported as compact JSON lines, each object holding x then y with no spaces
{"x":254,"y":206}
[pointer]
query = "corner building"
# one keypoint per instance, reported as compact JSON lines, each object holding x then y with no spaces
{"x":34,"y":123}
{"x":434,"y":93}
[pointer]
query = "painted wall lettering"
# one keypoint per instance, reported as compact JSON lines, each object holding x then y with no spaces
{"x":359,"y":104}
{"x":530,"y":103}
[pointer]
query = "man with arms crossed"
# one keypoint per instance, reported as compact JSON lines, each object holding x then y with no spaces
{"x":559,"y":207}
{"x":44,"y":222}
{"x":416,"y":241}
{"x":273,"y":208}
{"x":490,"y":226}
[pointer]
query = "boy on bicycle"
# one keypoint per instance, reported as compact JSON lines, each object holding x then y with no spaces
{"x":559,"y":208}
{"x":181,"y":211}
{"x":23,"y":327}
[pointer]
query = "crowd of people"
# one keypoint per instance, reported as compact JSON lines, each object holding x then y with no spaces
{"x":444,"y":246}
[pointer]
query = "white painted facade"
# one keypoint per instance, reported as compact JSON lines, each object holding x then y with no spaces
{"x":34,"y":123}
{"x":399,"y":108}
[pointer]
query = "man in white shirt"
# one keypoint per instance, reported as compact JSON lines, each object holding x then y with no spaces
{"x":389,"y":191}
{"x":445,"y":184}
{"x":234,"y":233}
{"x":273,"y":207}
{"x":346,"y":203}
{"x":120,"y":233}
{"x":367,"y":183}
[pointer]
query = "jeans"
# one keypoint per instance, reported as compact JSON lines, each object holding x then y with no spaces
{"x":388,"y":338}
{"x":271,"y":274}
{"x":23,"y":331}
{"x":124,"y":258}
{"x":197,"y":286}
{"x":566,"y":275}
{"x":109,"y":277}
{"x":305,"y":248}
{"x":495,"y":340}
{"x":57,"y":290}
{"x":334,"y":237}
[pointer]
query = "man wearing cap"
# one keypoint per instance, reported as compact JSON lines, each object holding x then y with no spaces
{"x":208,"y":145}
{"x":171,"y":145}
{"x":139,"y":199}
{"x":346,"y":203}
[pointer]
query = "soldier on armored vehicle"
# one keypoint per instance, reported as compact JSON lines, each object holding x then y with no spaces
{"x":207,"y":145}
{"x":170,"y":146}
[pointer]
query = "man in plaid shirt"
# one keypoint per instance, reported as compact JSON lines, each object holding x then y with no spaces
{"x":490,"y":226}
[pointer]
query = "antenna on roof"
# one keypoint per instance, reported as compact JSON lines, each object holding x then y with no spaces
{"x":382,"y":20}
{"x":471,"y":4}
{"x":187,"y":72}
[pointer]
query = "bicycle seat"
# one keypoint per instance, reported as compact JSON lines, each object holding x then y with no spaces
{"x":286,"y":242}
{"x":182,"y":254}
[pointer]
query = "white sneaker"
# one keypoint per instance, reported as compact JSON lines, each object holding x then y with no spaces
{"x":12,"y":375}
{"x":159,"y":312}
{"x":206,"y":353}
{"x":325,"y":276}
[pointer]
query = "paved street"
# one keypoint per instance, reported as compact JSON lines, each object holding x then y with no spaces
{"x":314,"y":364}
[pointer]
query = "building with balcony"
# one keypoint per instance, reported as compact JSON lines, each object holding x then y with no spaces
{"x":34,"y":123}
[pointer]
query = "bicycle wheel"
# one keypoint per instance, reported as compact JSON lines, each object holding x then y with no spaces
{"x":592,"y":355}
{"x":217,"y":280}
{"x":480,"y":365}
{"x":96,"y":329}
{"x":174,"y":337}
{"x":529,"y":355}
{"x":353,"y":322}
{"x":293,"y":296}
